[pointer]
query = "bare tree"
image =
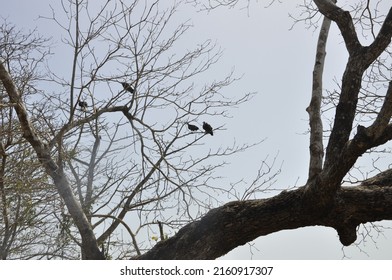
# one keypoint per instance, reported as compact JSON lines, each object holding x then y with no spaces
{"x":113,"y":133}
{"x":324,"y":200}
{"x":27,"y":200}
{"x":114,"y":139}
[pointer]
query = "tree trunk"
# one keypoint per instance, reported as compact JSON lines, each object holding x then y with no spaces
{"x":89,"y":244}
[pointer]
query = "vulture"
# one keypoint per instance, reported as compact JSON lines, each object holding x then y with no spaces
{"x":128,"y":87}
{"x":192,"y":127}
{"x":83,"y":105}
{"x":207,"y":128}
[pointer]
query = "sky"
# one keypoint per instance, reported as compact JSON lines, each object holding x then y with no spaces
{"x":276,"y":62}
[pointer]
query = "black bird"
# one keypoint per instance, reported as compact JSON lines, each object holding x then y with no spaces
{"x":192,"y":127}
{"x":207,"y":128}
{"x":128,"y":87}
{"x":83,"y":105}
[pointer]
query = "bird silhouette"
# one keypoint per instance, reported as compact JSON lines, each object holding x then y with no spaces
{"x":207,"y":128}
{"x":192,"y":127}
{"x":83,"y":105}
{"x":128,"y":87}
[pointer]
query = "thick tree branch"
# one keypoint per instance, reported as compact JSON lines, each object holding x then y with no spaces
{"x":344,"y":116}
{"x":359,"y":60}
{"x":359,"y":205}
{"x":377,"y":134}
{"x":363,"y":142}
{"x":383,"y":117}
{"x":382,"y":179}
{"x":343,"y":20}
{"x":235,"y":223}
{"x":382,"y":40}
{"x":316,"y":146}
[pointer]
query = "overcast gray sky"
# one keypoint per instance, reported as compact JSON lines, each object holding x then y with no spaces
{"x":277,"y":64}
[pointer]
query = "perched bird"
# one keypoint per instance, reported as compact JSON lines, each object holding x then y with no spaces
{"x":192,"y":127}
{"x":207,"y":128}
{"x":128,"y":87}
{"x":83,"y":105}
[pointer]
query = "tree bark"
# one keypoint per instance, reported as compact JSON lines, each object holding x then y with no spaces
{"x":236,"y":223}
{"x":316,"y":146}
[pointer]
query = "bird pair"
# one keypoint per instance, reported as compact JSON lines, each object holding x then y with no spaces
{"x":83,"y":104}
{"x":207,"y":128}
